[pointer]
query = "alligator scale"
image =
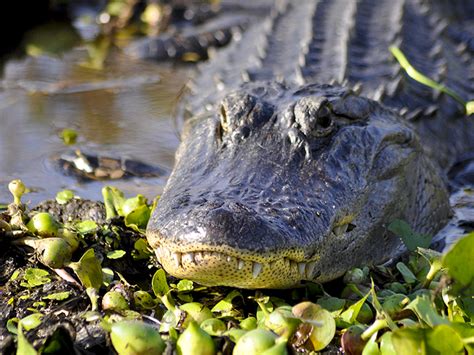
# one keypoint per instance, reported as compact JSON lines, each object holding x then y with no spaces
{"x":305,"y":140}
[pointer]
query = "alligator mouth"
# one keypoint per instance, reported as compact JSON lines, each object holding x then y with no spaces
{"x":226,"y":266}
{"x":212,"y":268}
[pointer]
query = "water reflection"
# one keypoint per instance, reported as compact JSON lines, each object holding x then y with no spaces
{"x":125,"y":110}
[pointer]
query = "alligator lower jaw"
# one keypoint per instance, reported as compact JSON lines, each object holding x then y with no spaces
{"x":217,"y":268}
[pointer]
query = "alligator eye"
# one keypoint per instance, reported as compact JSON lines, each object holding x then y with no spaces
{"x":314,"y":116}
{"x":323,"y":118}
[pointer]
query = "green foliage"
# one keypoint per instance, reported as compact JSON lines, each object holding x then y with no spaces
{"x":422,"y":305}
{"x":64,"y":196}
{"x":69,"y":137}
{"x":35,"y":277}
{"x":460,"y":265}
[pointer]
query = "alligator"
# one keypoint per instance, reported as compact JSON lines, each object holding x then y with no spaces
{"x":304,"y":139}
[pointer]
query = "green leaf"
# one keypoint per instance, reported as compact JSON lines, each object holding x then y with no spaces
{"x":386,"y":344}
{"x":425,"y":310}
{"x":133,"y":203}
{"x":31,"y":321}
{"x":86,"y":227}
{"x":113,"y":200}
{"x":213,"y":327}
{"x":411,"y":239}
{"x":23,"y":346}
{"x":116,"y":254}
{"x":159,"y":284}
{"x":35,"y":277}
{"x":350,"y":314}
{"x":407,"y":274}
{"x":58,"y":296}
{"x":88,"y":270}
{"x":185,"y":285}
{"x":409,"y":341}
{"x":69,"y":136}
{"x":12,"y":325}
{"x":138,"y":218}
{"x":64,"y":196}
{"x":140,"y":249}
{"x":459,"y":261}
{"x":225,"y":305}
{"x":445,"y":340}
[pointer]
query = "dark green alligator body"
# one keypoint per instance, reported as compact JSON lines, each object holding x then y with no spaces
{"x":305,"y":139}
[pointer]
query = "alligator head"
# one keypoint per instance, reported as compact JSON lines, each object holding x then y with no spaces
{"x":280,"y":185}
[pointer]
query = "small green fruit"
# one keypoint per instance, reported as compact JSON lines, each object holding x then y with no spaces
{"x":136,"y":338}
{"x":195,"y":341}
{"x":53,"y":252}
{"x":255,"y":342}
{"x":114,"y":301}
{"x":44,"y":225}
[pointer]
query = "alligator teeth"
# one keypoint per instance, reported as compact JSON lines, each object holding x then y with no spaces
{"x":256,"y":269}
{"x":177,"y":258}
{"x":301,"y":268}
{"x":310,"y":269}
{"x":240,"y":264}
{"x":188,"y":257}
{"x":340,"y":230}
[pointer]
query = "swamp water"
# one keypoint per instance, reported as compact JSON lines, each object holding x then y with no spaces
{"x":125,"y":110}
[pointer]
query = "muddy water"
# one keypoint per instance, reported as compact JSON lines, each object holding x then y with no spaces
{"x":125,"y":110}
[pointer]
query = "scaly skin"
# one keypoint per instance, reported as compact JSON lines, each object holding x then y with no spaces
{"x":276,"y":183}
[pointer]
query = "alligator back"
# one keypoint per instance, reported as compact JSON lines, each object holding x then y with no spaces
{"x":347,"y":42}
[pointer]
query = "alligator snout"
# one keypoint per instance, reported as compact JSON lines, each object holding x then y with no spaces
{"x":229,"y":245}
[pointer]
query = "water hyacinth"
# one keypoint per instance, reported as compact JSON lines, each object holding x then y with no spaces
{"x":44,"y":225}
{"x":195,"y":341}
{"x":404,"y":311}
{"x":136,"y":338}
